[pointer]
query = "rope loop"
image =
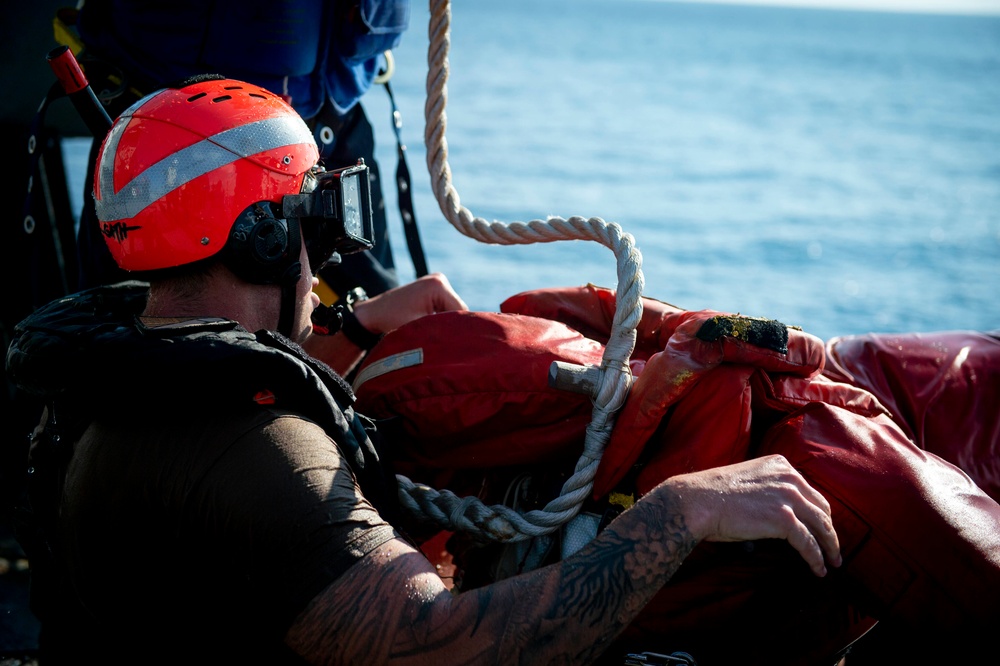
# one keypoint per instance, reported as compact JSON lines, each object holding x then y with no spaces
{"x":500,"y":523}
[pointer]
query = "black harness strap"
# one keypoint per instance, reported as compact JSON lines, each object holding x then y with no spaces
{"x":405,"y":192}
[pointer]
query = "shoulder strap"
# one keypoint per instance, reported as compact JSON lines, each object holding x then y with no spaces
{"x":404,"y":189}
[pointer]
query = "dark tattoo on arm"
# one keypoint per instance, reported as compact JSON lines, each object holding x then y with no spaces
{"x":596,"y":593}
{"x":393,"y":607}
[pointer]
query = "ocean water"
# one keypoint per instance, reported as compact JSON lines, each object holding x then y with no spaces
{"x":834,"y":170}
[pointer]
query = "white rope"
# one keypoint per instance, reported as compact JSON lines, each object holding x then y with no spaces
{"x":501,"y":523}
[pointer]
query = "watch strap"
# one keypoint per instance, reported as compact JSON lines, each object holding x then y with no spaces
{"x":355,"y":331}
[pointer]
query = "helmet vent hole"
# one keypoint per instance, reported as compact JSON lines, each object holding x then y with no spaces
{"x":222,"y":98}
{"x":196,"y":97}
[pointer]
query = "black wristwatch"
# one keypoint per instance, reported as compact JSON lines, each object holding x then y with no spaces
{"x":349,"y":324}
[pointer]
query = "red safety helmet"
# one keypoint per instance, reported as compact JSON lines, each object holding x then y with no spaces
{"x":186,"y":172}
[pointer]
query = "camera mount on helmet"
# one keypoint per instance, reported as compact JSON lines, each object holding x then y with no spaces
{"x":334,"y":212}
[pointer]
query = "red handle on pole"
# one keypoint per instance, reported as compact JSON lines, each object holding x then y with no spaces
{"x":74,"y":83}
{"x":67,"y":70}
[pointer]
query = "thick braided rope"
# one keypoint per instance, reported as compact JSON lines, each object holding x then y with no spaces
{"x":500,"y":523}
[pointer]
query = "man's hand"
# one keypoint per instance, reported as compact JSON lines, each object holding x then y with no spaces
{"x":391,"y":309}
{"x":763,"y":498}
{"x":383,"y":313}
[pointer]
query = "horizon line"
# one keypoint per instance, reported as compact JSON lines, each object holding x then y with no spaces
{"x":942,"y":7}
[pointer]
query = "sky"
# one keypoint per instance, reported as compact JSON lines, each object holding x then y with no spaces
{"x":991,"y":7}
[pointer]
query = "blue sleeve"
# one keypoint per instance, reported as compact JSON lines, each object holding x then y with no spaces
{"x":363,"y":30}
{"x":310,"y":50}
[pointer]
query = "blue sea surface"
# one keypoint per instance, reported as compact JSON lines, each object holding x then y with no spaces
{"x":834,"y":170}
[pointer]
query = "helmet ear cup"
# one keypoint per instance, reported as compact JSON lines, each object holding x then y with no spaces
{"x":268,"y":240}
{"x":261,"y":248}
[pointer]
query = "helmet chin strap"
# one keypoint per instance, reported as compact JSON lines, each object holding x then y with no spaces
{"x":289,"y":283}
{"x":289,"y":279}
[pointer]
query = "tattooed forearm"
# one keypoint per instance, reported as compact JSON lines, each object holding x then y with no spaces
{"x":597,"y":592}
{"x":392,"y":607}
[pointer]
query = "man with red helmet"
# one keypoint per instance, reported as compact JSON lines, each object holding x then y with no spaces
{"x":165,"y":189}
{"x":203,"y":488}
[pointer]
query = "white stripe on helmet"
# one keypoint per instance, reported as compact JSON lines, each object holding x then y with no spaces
{"x":188,"y":163}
